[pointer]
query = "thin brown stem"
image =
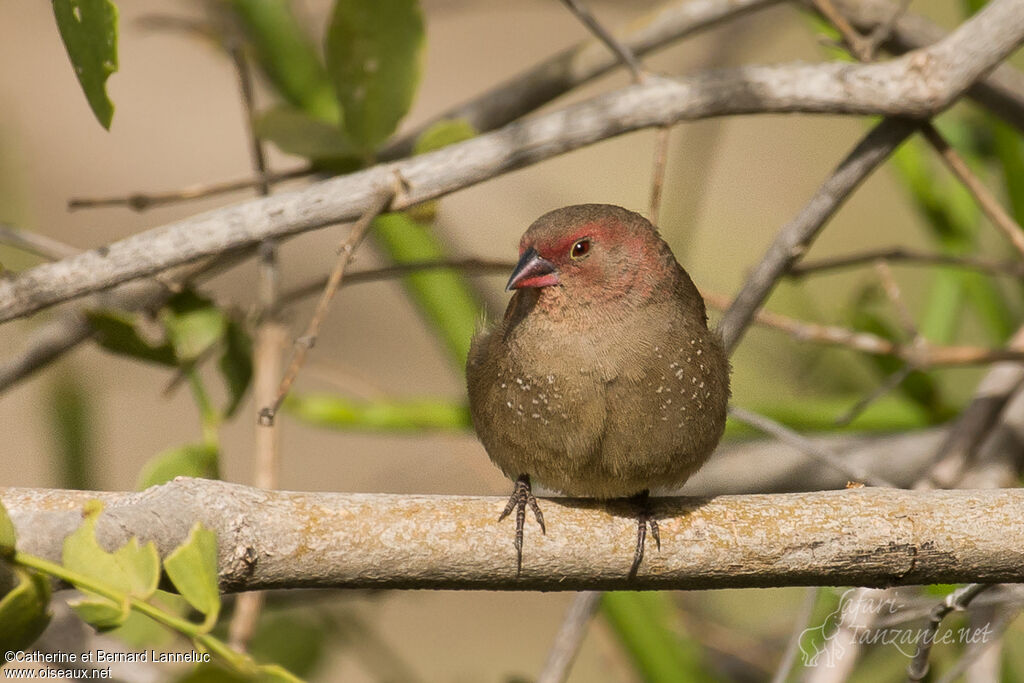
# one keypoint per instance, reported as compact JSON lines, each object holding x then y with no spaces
{"x":304,"y":343}
{"x":142,"y":202}
{"x":895,"y":295}
{"x":920,"y":355}
{"x":989,"y":205}
{"x":909,"y":256}
{"x":267,"y":349}
{"x":468,"y":266}
{"x":661,"y":144}
{"x":883,"y":31}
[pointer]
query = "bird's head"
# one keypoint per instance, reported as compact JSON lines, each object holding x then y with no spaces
{"x":593,"y":252}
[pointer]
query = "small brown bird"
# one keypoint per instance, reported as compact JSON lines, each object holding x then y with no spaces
{"x":602,"y":380}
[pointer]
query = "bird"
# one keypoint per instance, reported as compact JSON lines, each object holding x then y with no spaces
{"x":602,"y":380}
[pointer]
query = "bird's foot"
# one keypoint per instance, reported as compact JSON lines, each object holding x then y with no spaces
{"x":522,"y":496}
{"x":643,"y":520}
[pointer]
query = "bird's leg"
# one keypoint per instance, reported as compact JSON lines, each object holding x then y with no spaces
{"x":521,"y":497}
{"x":644,"y":518}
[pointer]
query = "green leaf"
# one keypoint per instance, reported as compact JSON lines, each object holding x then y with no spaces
{"x":441,"y":134}
{"x":71,"y":421}
{"x":296,"y":132}
{"x":643,"y":623}
{"x":191,"y":460}
{"x":442,"y":296}
{"x":8,"y":536}
{"x":116,"y":332}
{"x":444,"y":133}
{"x":296,"y":641}
{"x":141,"y":564}
{"x":102,"y":613}
{"x":373,"y":58}
{"x":289,"y":59}
{"x":193,"y":323}
{"x":236,"y":364}
{"x":89,"y":31}
{"x":140,"y":631}
{"x":192,"y":568}
{"x":23,"y":611}
{"x":339,"y":412}
{"x":82,"y":554}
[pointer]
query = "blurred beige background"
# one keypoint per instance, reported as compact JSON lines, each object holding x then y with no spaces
{"x":730,"y":185}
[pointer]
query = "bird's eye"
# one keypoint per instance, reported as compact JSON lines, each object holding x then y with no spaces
{"x":580,"y":249}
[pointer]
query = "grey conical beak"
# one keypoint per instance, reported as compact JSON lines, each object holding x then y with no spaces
{"x":532,"y":271}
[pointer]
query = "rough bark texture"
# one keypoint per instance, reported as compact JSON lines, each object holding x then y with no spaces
{"x":268,"y":539}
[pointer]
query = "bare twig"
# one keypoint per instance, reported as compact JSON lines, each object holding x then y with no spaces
{"x":921,"y":355}
{"x":805,"y":445}
{"x":977,"y":421}
{"x":34,"y":243}
{"x":1005,"y":615}
{"x":881,"y":33}
{"x":308,"y":339}
{"x":891,"y":382}
{"x":795,"y":237}
{"x":990,"y":206}
{"x":142,"y":201}
{"x":661,"y":143}
{"x":569,"y":637}
{"x":892,"y":291}
{"x":266,"y":353}
{"x":957,"y":600}
{"x":468,"y":266}
{"x":800,"y":623}
{"x":911,"y":256}
{"x":623,"y":53}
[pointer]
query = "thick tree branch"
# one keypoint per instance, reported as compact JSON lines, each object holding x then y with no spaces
{"x":867,"y":536}
{"x":920,"y":84}
{"x":1001,"y":91}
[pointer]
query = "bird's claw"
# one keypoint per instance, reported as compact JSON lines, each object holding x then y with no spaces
{"x":643,"y":520}
{"x":521,"y":498}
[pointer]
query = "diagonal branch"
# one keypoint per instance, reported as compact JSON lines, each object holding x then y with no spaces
{"x":918,"y":84}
